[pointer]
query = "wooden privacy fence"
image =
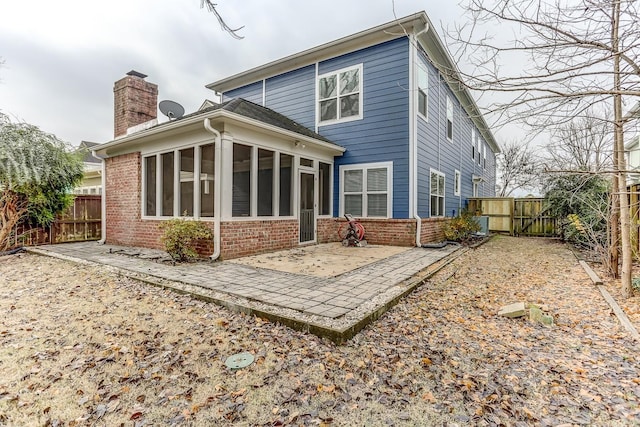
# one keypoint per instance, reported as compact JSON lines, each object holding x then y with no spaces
{"x":80,"y":222}
{"x":527,"y":216}
{"x":634,"y":209}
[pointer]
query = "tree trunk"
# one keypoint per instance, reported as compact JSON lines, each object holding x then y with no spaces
{"x":618,"y":136}
{"x":614,"y":229}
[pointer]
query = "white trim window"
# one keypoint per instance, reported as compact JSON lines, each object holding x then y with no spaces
{"x":456,"y":183}
{"x":366,"y":190}
{"x":473,"y":144}
{"x":484,"y":155}
{"x":479,"y":151}
{"x":449,"y":119}
{"x":179,"y":182}
{"x":437,"y":193}
{"x":340,"y":95}
{"x":423,"y":88}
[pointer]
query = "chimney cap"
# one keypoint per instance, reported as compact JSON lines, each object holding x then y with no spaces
{"x":136,"y":74}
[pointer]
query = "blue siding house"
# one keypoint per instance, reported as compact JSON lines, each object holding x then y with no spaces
{"x":368,"y":124}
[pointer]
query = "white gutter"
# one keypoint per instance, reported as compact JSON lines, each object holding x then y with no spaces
{"x":217,"y":189}
{"x":413,"y":135}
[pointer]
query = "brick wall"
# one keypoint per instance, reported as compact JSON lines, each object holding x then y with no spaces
{"x":394,"y":232}
{"x":242,"y":238}
{"x":432,"y":230}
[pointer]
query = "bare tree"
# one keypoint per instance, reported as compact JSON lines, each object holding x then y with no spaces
{"x":517,"y":168}
{"x":564,"y":57}
{"x":582,"y":145}
{"x":211,"y":7}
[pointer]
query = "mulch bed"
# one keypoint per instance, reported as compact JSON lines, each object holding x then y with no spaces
{"x":82,"y":347}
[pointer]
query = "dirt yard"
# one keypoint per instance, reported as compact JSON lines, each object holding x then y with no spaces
{"x":81,"y":346}
{"x":325,"y":260}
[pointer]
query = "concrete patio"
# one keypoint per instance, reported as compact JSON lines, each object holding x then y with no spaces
{"x":334,"y":307}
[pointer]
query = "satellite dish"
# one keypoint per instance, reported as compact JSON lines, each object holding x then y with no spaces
{"x":171,"y":109}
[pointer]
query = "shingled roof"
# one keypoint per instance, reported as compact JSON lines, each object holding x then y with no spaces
{"x":257,"y":112}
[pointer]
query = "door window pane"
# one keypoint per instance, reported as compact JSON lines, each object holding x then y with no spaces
{"x":265,"y":182}
{"x":241,"y":192}
{"x":167,"y":184}
{"x":150,"y":185}
{"x":207,"y":177}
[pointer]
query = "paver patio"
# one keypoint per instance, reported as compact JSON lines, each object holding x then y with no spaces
{"x":336,"y":307}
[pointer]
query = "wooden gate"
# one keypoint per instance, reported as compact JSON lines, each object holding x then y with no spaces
{"x":80,"y":222}
{"x":527,"y":216}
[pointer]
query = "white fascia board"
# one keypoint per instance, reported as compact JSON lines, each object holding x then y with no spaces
{"x":389,"y":31}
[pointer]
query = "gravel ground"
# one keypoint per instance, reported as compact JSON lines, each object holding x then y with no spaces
{"x":84,"y":346}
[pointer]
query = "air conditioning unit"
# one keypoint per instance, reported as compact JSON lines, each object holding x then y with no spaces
{"x":484,"y":225}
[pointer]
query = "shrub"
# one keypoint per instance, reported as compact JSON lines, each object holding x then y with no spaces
{"x":461,"y":227}
{"x":180,"y":237}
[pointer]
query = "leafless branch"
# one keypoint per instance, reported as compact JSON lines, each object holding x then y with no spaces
{"x":212,"y":8}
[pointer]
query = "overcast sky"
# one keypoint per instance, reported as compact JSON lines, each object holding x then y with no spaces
{"x":62,"y":57}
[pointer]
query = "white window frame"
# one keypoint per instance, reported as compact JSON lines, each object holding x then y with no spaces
{"x":364,"y":167}
{"x":449,"y":119}
{"x":424,"y":90}
{"x":339,"y":119}
{"x":473,"y":144}
{"x":444,"y":192}
{"x":484,"y":155}
{"x":456,"y":183}
{"x":476,"y":187}
{"x":197,"y":157}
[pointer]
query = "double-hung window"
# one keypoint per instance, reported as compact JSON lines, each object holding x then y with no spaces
{"x":366,"y":190}
{"x":437,"y":193}
{"x":449,"y":119}
{"x":423,"y":87}
{"x":456,"y":183}
{"x":340,"y":95}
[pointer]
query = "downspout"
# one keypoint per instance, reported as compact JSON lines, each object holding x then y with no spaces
{"x":413,"y":137}
{"x":217,"y":189}
{"x":103,"y":200}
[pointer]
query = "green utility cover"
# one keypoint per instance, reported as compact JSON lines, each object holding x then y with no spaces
{"x":239,"y":361}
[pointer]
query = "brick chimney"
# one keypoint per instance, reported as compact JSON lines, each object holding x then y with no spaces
{"x":135,"y":102}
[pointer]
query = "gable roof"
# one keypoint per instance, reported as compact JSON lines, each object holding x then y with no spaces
{"x":417,"y":24}
{"x":86,"y":148}
{"x":236,"y":109}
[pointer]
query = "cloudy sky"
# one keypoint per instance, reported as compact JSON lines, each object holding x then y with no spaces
{"x":62,"y":57}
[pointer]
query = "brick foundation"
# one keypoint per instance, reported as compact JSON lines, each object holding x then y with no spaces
{"x":242,"y":238}
{"x":392,"y":232}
